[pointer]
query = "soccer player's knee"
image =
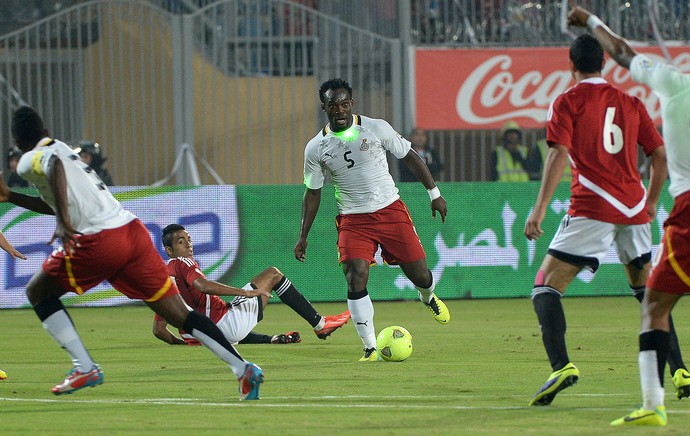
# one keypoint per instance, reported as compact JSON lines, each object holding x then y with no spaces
{"x":272,"y":274}
{"x":539,"y":279}
{"x":640,"y":262}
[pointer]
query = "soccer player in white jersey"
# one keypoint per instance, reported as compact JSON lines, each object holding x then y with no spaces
{"x":597,"y":127}
{"x":237,"y":318}
{"x":101,"y":241}
{"x":670,"y":275}
{"x":352,"y":149}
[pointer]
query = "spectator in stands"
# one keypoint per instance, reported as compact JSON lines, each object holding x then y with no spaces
{"x":13,"y":179}
{"x":509,"y":161}
{"x":420,"y":143}
{"x":92,"y":155}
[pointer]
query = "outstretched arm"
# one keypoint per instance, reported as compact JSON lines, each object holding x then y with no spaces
{"x":22,"y":200}
{"x":310,"y":206}
{"x":216,"y":288}
{"x":418,"y":167}
{"x":5,"y":245}
{"x":617,"y":47}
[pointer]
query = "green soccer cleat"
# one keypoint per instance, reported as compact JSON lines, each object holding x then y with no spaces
{"x":681,"y":380}
{"x":370,"y":355}
{"x":558,"y":380}
{"x":644,"y":417}
{"x":438,"y":309}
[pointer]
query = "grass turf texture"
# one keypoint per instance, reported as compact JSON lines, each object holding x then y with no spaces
{"x":472,"y":376}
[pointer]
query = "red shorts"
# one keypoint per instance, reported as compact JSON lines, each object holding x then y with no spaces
{"x":125,"y":256}
{"x":671,"y":265}
{"x":360,"y":234}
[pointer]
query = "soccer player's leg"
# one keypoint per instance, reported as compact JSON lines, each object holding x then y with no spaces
{"x":679,"y":372}
{"x":361,"y":307}
{"x":423,"y":280}
{"x":638,"y":271}
{"x":287,"y":292}
{"x":552,"y":279}
{"x":654,"y":344}
{"x":356,"y":248}
{"x":201,"y":327}
{"x":43,"y":294}
{"x":146,"y":277}
{"x":400,"y":245}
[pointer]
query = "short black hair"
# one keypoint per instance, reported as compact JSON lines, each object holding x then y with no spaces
{"x":587,"y":54}
{"x":168,"y":234}
{"x":27,"y":126}
{"x":334,"y":83}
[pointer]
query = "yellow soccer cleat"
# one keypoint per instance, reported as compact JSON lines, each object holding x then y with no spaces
{"x":644,"y":417}
{"x":558,"y":380}
{"x":370,"y":355}
{"x":681,"y":380}
{"x":438,"y":309}
{"x":3,"y":375}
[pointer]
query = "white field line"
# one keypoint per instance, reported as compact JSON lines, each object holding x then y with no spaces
{"x":309,"y":401}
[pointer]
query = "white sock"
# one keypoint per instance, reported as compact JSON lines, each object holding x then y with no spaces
{"x":237,"y":364}
{"x":60,"y":327}
{"x":320,"y":325}
{"x":425,"y":294}
{"x":362,"y":313}
{"x":652,"y":392}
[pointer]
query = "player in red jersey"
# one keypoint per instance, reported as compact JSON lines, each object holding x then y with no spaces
{"x":597,"y":127}
{"x":669,"y":278}
{"x":237,"y":318}
{"x":101,"y":241}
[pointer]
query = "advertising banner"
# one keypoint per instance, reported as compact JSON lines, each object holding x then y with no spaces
{"x":480,"y":252}
{"x":213,"y":223}
{"x":484,"y":88}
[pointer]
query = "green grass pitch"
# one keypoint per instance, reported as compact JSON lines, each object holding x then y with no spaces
{"x":472,"y":376}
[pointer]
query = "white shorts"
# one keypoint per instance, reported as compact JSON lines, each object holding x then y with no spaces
{"x":241,"y":318}
{"x":584,"y":241}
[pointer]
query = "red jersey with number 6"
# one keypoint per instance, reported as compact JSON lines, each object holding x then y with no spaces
{"x":601,"y":126}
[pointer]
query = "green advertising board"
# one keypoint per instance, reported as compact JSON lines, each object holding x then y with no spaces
{"x":480,"y":251}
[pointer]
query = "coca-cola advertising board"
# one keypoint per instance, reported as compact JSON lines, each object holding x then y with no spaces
{"x":484,"y":88}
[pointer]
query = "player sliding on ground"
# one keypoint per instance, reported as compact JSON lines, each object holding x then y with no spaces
{"x":237,"y":318}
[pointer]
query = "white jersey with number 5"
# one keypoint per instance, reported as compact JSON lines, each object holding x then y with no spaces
{"x":91,"y":207}
{"x":673,"y":89}
{"x":356,"y":160}
{"x":601,"y":126}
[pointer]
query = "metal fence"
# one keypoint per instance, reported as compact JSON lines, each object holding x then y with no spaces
{"x":536,"y":23}
{"x":231,"y":86}
{"x":227,"y":90}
